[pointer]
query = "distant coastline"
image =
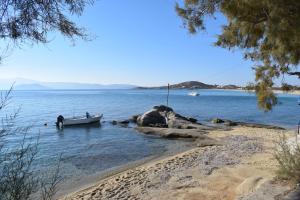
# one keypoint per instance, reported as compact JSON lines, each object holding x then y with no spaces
{"x":194,"y":85}
{"x":32,"y":85}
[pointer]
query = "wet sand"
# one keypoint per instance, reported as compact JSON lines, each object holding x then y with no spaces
{"x":69,"y":186}
{"x":240,"y":166}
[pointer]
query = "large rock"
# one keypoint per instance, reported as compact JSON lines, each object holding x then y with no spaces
{"x":217,"y":121}
{"x":124,"y":122}
{"x":164,"y":116}
{"x":152,"y":118}
{"x":178,"y":121}
{"x":134,"y":118}
{"x":223,"y":122}
{"x":191,"y":119}
{"x":163,"y":108}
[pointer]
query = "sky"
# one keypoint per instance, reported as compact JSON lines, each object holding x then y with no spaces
{"x":140,"y":42}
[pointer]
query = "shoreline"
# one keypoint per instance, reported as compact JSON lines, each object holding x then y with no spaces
{"x":292,"y":92}
{"x":91,"y":180}
{"x":148,"y":168}
{"x":112,"y":172}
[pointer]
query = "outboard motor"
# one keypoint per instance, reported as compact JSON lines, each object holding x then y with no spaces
{"x":60,"y":121}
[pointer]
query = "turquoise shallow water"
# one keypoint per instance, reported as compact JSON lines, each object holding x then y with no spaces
{"x":89,"y":150}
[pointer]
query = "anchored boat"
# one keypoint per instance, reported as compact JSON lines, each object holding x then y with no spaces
{"x":194,"y":94}
{"x":78,"y":120}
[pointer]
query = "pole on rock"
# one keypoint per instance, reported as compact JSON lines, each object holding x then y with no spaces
{"x":168,"y":94}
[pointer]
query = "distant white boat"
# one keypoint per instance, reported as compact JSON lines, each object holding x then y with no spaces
{"x":194,"y":94}
{"x":78,"y":120}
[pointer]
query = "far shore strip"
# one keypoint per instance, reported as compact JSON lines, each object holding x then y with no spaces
{"x":292,"y":92}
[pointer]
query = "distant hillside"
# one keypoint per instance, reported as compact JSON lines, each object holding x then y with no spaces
{"x":229,"y":87}
{"x":185,"y":85}
{"x":31,"y":87}
{"x":192,"y":85}
{"x":84,"y":86}
{"x":26,"y":84}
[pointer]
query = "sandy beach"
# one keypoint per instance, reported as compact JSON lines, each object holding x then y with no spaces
{"x":239,"y":165}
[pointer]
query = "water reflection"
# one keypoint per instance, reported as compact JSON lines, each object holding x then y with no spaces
{"x":82,"y":128}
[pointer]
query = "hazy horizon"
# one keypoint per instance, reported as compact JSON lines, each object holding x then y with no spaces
{"x":20,"y":81}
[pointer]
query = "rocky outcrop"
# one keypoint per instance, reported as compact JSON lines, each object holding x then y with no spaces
{"x":123,"y":123}
{"x":164,"y":117}
{"x":163,"y":121}
{"x":178,"y":121}
{"x":163,"y":108}
{"x":223,"y":122}
{"x":217,"y":121}
{"x":134,"y":118}
{"x":226,"y":122}
{"x":152,"y":118}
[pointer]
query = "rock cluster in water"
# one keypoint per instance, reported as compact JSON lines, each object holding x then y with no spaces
{"x":163,"y":121}
{"x":164,"y":117}
{"x":226,"y":122}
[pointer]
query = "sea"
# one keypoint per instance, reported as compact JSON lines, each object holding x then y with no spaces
{"x":89,"y":152}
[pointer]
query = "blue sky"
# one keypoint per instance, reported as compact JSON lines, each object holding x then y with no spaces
{"x":138,"y":42}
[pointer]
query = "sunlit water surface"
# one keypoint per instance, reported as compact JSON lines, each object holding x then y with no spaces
{"x":91,"y":150}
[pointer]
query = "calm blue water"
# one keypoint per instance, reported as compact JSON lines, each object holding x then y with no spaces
{"x":94,"y":149}
{"x":39,"y":107}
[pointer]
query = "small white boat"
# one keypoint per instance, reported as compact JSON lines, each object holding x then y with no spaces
{"x":78,"y":120}
{"x":194,"y":94}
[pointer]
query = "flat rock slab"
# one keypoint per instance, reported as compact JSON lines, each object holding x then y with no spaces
{"x":173,"y":132}
{"x":204,"y":127}
{"x":255,"y":125}
{"x":226,"y":122}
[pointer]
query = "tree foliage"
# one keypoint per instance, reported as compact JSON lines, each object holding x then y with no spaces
{"x":267,"y":31}
{"x":287,"y":153}
{"x":18,"y":179}
{"x":31,"y":20}
{"x":23,"y":21}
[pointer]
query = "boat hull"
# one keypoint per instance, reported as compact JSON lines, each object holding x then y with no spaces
{"x":194,"y":94}
{"x":81,"y":121}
